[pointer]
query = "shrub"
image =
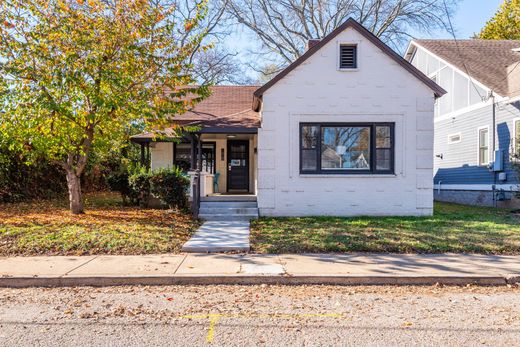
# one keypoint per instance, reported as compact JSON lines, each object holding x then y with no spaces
{"x":23,"y":178}
{"x":140,"y":183}
{"x":170,"y":186}
{"x":118,"y":181}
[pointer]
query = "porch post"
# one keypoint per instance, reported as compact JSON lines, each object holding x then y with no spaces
{"x":193,"y":162}
{"x":196,"y":166}
{"x":142,"y":154}
{"x":148,"y":155}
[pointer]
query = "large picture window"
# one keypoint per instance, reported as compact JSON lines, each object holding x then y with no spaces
{"x":344,"y":148}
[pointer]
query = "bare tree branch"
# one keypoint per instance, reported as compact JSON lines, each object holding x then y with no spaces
{"x":285,"y":26}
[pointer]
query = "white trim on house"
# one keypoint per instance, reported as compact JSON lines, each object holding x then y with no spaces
{"x":488,"y":146}
{"x":516,"y":136}
{"x":477,"y":187}
{"x":464,"y":110}
{"x":450,"y":136}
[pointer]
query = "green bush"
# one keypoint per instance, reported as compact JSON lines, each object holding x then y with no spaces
{"x":171,"y":187}
{"x":140,"y":183}
{"x":118,"y":181}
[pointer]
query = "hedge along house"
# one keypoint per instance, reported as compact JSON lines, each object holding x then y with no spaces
{"x":477,"y":123}
{"x":346,"y":129}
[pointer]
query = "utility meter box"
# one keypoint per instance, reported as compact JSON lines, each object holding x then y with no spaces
{"x":498,"y":165}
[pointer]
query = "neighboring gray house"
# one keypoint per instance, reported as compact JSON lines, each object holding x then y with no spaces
{"x":477,"y":123}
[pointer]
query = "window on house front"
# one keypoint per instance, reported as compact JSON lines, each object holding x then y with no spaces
{"x":483,"y":146}
{"x":182,"y":156}
{"x":346,"y":148}
{"x":348,"y":57}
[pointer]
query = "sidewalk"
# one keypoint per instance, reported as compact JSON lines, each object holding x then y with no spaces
{"x":343,"y":269}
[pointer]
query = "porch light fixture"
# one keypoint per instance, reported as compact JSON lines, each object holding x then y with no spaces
{"x":231,"y":136}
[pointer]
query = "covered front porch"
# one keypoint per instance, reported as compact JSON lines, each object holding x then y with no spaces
{"x":220,"y":163}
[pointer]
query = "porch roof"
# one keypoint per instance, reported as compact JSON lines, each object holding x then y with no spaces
{"x":227,"y":110}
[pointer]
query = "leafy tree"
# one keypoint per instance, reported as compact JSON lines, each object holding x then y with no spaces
{"x":505,"y":25}
{"x":76,"y":73}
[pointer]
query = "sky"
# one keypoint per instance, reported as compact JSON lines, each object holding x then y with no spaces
{"x":471,"y":16}
{"x":469,"y":19}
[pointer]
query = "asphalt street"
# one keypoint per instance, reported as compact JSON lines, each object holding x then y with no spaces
{"x":261,"y":315}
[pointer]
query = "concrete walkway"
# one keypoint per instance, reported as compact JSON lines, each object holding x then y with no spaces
{"x":219,"y":236}
{"x":345,"y":269}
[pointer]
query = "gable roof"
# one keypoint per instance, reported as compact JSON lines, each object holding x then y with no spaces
{"x":488,"y":61}
{"x":350,"y":23}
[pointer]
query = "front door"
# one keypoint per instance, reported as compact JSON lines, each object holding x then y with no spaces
{"x":238,"y":165}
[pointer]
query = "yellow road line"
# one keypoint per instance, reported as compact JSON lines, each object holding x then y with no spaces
{"x":215,"y":317}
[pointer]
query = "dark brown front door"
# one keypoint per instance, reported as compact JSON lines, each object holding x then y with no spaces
{"x":238,"y":165}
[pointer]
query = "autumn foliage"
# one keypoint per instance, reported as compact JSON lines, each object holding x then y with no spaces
{"x":78,"y":73}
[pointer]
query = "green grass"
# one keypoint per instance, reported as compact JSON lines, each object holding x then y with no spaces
{"x":47,"y":228}
{"x":453,"y":228}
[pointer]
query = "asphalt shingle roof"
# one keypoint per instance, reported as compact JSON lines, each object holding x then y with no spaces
{"x":491,"y":62}
{"x":227,"y":106}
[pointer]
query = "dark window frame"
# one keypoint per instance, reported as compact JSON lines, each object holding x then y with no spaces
{"x":212,"y":144}
{"x":355,"y":56}
{"x":373,"y":149}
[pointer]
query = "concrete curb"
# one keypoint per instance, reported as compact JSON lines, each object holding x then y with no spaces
{"x":106,"y":281}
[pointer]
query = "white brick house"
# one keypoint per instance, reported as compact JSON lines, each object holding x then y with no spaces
{"x":347,"y":129}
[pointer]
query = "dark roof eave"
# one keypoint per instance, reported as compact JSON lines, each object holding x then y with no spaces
{"x":144,"y":138}
{"x":228,"y":130}
{"x":437,"y":90}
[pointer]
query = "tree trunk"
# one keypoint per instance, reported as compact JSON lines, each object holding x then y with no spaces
{"x":75,"y":197}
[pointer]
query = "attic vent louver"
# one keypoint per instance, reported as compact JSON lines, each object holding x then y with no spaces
{"x":347,"y":57}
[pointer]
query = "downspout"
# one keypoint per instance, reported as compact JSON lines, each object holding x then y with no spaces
{"x":494,"y":150}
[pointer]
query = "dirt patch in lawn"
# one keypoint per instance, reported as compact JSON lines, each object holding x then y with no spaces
{"x":48,"y":228}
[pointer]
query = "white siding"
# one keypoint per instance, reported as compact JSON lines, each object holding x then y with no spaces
{"x":162,"y":155}
{"x":379,"y":91}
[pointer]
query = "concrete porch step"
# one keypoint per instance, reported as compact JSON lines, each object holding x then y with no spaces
{"x":228,"y":204}
{"x":224,"y":198}
{"x":229,"y":210}
{"x":228,"y":217}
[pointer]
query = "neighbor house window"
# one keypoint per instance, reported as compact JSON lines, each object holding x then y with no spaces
{"x":347,"y":148}
{"x":454,"y":138}
{"x":348,"y":57}
{"x":517,"y":138}
{"x":483,"y":146}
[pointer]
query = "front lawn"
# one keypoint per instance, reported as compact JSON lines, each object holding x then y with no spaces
{"x":47,"y":228}
{"x":453,"y":228}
